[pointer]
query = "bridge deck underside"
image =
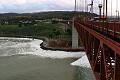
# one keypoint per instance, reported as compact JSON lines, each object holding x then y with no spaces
{"x":103,"y":53}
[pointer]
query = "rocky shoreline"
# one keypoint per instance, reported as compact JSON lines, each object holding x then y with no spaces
{"x":45,"y":45}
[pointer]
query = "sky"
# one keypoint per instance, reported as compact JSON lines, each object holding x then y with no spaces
{"x":21,"y":6}
{"x":26,"y":6}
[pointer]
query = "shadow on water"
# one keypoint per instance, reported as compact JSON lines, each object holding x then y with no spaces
{"x":83,"y":73}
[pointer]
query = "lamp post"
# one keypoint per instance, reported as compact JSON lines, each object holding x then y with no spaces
{"x":88,"y":6}
{"x":100,"y":6}
{"x":117,"y":14}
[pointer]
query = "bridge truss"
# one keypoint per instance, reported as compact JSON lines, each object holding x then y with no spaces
{"x":102,"y":51}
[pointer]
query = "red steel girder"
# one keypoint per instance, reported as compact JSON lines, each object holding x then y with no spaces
{"x":102,"y":52}
{"x":115,"y":46}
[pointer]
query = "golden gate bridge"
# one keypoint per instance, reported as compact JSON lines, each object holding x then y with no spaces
{"x":100,"y":38}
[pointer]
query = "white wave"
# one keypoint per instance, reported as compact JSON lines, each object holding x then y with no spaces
{"x":35,"y":46}
{"x":83,"y":62}
{"x":15,"y":38}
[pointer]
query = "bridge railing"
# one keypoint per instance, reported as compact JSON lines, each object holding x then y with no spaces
{"x":108,"y":28}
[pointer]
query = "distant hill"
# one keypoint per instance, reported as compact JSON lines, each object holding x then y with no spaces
{"x":66,"y":15}
{"x":41,"y":15}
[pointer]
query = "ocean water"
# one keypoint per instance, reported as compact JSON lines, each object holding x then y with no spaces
{"x":23,"y":59}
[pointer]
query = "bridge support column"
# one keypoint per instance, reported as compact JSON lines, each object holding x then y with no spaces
{"x":103,"y":75}
{"x":117,"y":67}
{"x":74,"y":37}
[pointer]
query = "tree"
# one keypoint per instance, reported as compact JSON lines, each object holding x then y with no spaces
{"x":57,"y":33}
{"x":54,"y":22}
{"x":69,"y":31}
{"x":20,"y":24}
{"x":50,"y":35}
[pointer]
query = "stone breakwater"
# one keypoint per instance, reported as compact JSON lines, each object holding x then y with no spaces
{"x":51,"y":45}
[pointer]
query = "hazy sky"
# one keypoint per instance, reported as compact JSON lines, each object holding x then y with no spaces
{"x":21,"y":6}
{"x":35,"y":5}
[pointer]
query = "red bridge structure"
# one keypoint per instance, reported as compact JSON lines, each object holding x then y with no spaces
{"x":101,"y":42}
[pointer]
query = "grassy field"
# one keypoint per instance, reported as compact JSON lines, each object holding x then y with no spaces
{"x":46,"y":29}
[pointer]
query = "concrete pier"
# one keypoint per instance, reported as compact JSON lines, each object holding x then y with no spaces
{"x":74,"y":37}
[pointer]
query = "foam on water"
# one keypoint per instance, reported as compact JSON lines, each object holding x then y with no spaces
{"x":8,"y":38}
{"x":82,"y":62}
{"x":33,"y":47}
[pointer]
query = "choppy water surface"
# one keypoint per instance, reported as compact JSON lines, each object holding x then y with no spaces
{"x":23,"y":59}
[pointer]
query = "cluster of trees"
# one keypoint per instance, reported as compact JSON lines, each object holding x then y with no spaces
{"x":54,"y":33}
{"x":20,"y":20}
